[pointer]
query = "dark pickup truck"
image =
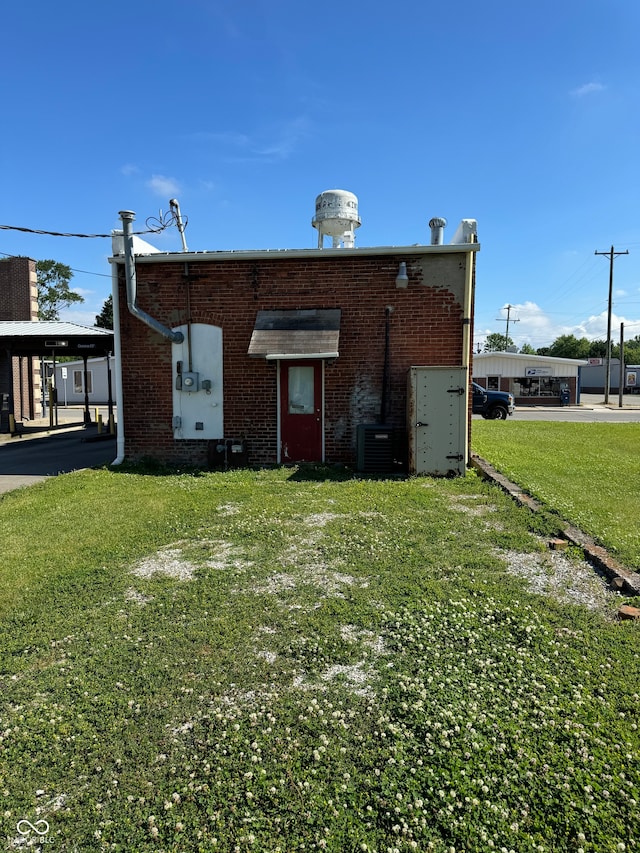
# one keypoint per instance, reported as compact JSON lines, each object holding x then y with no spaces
{"x":493,"y":405}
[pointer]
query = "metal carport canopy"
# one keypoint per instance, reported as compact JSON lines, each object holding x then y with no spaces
{"x":54,"y":337}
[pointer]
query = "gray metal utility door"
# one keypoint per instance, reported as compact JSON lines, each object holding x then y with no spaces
{"x":437,"y":420}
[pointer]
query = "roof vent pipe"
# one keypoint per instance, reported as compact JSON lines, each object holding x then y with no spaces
{"x":437,"y":225}
{"x":175,"y":209}
{"x":127,"y":217}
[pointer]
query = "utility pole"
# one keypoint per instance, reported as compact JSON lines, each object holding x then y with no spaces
{"x":508,"y":309}
{"x":612,"y":255}
{"x":621,"y":372}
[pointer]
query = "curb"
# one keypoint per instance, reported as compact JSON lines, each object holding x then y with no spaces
{"x":627,"y":580}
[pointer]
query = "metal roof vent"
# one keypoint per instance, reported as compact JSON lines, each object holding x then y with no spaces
{"x":337,"y":217}
{"x":437,"y":225}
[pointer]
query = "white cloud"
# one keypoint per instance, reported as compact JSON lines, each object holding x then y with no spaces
{"x":587,"y":89}
{"x":531,"y":325}
{"x":272,"y":145}
{"x":223,"y":137}
{"x":82,"y":317}
{"x":163,"y":186}
{"x":129,"y":169}
{"x":288,"y":140}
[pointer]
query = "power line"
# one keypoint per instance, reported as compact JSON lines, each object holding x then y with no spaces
{"x":88,"y":272}
{"x":164,"y":221}
{"x":73,"y":269}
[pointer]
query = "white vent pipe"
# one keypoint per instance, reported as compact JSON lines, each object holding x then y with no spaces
{"x":175,"y":209}
{"x":127,"y":217}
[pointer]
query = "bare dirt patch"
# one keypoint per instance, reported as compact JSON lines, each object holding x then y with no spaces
{"x":169,"y":562}
{"x":568,"y":580}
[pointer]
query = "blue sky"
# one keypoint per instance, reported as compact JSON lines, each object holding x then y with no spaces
{"x":524,"y":116}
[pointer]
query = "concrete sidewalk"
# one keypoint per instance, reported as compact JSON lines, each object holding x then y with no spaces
{"x":630,"y":402}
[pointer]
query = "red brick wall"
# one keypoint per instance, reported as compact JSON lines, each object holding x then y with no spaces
{"x":425,"y":328}
{"x":17,"y":289}
{"x":18,"y":301}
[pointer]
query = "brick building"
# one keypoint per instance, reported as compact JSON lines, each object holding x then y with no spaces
{"x":19,"y":375}
{"x":25,"y":343}
{"x":268,"y":357}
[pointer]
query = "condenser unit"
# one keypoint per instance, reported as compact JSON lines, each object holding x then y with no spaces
{"x":376,"y":448}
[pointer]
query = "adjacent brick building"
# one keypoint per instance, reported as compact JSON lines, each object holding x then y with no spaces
{"x":19,"y":375}
{"x":286,"y":354}
{"x":25,"y":342}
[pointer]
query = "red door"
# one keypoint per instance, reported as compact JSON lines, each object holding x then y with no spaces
{"x":301,"y":411}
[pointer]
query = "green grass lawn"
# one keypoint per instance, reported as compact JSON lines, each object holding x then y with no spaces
{"x":292,"y":660}
{"x":589,"y":473}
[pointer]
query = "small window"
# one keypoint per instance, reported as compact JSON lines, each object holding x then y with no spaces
{"x":78,"y":382}
{"x":301,"y":393}
{"x":493,"y":383}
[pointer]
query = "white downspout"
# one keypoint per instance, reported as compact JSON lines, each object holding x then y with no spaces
{"x":118,"y":354}
{"x":127,"y":217}
{"x":466,"y":338}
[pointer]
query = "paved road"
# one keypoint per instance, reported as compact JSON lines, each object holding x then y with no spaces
{"x":36,"y":456}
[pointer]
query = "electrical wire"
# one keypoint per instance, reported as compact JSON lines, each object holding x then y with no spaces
{"x":73,"y":269}
{"x":163,"y":221}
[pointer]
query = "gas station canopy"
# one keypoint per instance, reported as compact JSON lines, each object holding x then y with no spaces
{"x":36,"y":338}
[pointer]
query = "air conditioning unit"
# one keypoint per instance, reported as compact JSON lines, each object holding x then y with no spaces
{"x":376,"y":448}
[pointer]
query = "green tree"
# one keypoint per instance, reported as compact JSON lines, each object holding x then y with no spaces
{"x":105,"y":318}
{"x":496,"y":342}
{"x":527,"y":349}
{"x":632,"y":351}
{"x":597,"y":349}
{"x":54,"y":292}
{"x":568,"y":346}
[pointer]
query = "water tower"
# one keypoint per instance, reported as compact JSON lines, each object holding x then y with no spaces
{"x":337,"y":217}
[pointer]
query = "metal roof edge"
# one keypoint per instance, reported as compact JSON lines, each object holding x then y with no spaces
{"x":523,"y":355}
{"x":51,"y":327}
{"x":263,"y":254}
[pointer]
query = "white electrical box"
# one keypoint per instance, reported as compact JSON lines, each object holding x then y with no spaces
{"x":197,"y":383}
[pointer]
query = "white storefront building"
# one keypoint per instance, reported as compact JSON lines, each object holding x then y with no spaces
{"x":530,"y":378}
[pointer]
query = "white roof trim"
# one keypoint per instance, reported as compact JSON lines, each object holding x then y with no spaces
{"x":524,"y":357}
{"x":261,"y":254}
{"x":292,"y":356}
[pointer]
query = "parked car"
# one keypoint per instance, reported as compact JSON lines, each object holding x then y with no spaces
{"x":493,"y":405}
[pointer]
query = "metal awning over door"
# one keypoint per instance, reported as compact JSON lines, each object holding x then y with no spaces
{"x":295,"y":334}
